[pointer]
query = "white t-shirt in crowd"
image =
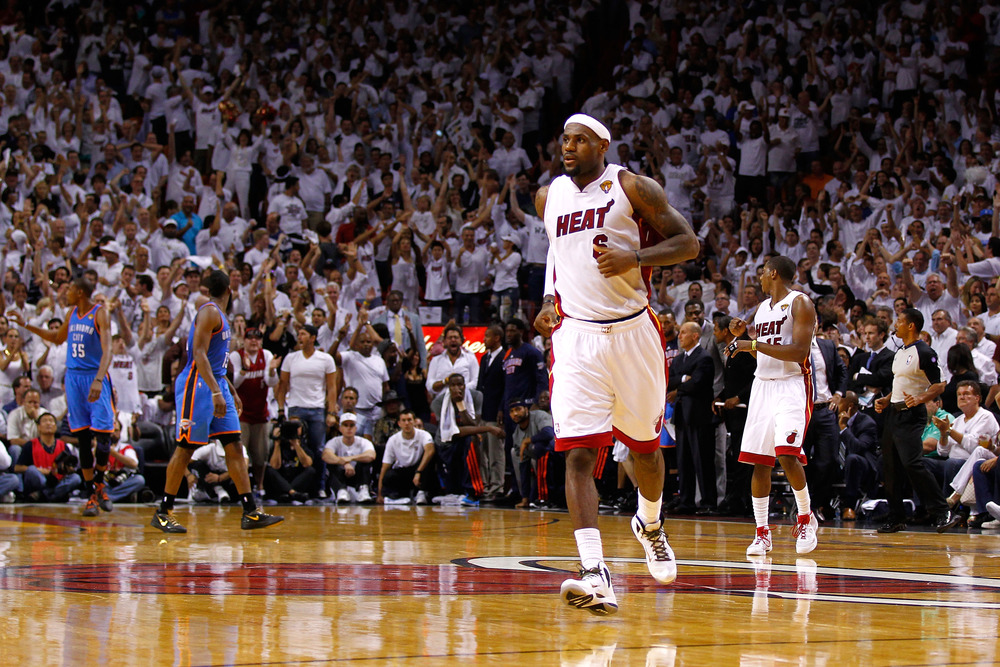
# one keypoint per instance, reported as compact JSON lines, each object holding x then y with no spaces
{"x":307,"y":378}
{"x":403,"y":453}
{"x":366,"y":374}
{"x":356,"y":448}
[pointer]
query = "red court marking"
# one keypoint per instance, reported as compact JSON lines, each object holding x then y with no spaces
{"x":447,"y":579}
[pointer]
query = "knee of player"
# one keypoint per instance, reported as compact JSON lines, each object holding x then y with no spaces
{"x":581,"y":460}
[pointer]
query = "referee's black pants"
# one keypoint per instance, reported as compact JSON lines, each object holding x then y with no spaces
{"x":902,"y":455}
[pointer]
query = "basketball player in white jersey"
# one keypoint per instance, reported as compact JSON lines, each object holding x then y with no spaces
{"x":606,"y":227}
{"x":780,"y":400}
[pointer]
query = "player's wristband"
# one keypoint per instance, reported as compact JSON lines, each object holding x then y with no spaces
{"x":753,"y":345}
{"x":216,"y":393}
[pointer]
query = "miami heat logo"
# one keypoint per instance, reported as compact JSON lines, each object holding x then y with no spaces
{"x":606,"y":187}
{"x":791,"y":436}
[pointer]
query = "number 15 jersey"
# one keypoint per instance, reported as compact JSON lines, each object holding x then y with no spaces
{"x":576,"y":220}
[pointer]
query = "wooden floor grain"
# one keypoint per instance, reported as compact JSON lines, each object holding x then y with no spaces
{"x":452,"y":586}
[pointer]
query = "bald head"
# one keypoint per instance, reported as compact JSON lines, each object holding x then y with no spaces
{"x":691,"y":327}
{"x":688,"y":336}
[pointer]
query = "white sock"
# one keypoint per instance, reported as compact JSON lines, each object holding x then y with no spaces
{"x":649,"y":510}
{"x":802,"y":500}
{"x":760,"y":506}
{"x":588,"y":542}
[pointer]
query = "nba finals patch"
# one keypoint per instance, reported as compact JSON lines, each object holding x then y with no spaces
{"x":606,"y":187}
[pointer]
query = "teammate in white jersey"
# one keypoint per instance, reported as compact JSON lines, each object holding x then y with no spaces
{"x":780,"y":399}
{"x":606,"y":227}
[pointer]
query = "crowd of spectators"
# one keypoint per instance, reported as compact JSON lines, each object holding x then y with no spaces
{"x":365,"y":169}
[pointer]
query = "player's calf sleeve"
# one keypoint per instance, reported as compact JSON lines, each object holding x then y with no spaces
{"x":101,"y":456}
{"x":86,"y":447}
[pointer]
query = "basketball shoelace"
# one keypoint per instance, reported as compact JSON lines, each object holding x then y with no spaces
{"x":658,"y":541}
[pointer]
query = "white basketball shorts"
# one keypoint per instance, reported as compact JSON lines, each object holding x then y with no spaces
{"x":777,"y":419}
{"x":608,"y":379}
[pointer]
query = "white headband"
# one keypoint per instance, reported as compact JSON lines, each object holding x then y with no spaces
{"x":589,"y":121}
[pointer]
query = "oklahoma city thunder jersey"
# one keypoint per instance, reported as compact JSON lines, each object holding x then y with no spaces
{"x":773,"y":324}
{"x":83,"y":349}
{"x":218,"y":346}
{"x":576,"y":220}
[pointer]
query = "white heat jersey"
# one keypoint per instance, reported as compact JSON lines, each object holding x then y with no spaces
{"x":575,"y":221}
{"x":125,"y":381}
{"x":773,"y":324}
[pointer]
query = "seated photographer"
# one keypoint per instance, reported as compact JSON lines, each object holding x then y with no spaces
{"x":208,"y":474}
{"x":290,"y":474}
{"x":458,"y":408}
{"x":123,"y":476}
{"x":407,"y":464}
{"x":48,"y":465}
{"x":351,"y":459}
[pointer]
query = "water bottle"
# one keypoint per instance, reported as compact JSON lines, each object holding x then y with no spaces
{"x":465,"y":315}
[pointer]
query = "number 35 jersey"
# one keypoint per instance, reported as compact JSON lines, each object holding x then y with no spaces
{"x":576,"y":220}
{"x":83,"y":343}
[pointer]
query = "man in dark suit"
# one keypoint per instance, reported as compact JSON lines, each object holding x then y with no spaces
{"x":870,"y":372}
{"x":820,"y":442}
{"x":862,"y":456}
{"x":737,"y":380}
{"x":491,"y":385}
{"x":690,"y":389}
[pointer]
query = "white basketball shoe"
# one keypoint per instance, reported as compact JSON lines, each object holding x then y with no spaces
{"x":659,"y":555}
{"x":592,"y":591}
{"x":805,"y":533}
{"x":761,"y":542}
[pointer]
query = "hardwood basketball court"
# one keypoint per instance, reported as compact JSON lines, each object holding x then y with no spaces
{"x":448,"y":586}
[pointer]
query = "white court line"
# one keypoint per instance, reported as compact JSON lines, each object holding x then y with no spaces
{"x":525,"y":564}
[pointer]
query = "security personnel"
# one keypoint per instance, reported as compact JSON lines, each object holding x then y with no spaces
{"x":916,"y":380}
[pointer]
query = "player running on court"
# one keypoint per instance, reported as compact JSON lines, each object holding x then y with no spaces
{"x":606,"y":228}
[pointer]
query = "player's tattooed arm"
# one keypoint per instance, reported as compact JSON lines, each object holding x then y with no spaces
{"x":650,"y":204}
{"x":540,"y":197}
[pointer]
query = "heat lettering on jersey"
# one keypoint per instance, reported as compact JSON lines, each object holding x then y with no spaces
{"x":771,"y":328}
{"x":578,"y":221}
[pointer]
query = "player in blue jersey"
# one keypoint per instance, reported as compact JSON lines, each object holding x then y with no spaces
{"x":208,"y":407}
{"x":87,"y":331}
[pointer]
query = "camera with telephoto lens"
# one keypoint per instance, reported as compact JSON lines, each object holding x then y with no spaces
{"x":289,"y":429}
{"x":66,"y":463}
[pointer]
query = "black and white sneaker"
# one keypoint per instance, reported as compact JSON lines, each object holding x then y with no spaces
{"x":592,"y":591}
{"x":659,"y":555}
